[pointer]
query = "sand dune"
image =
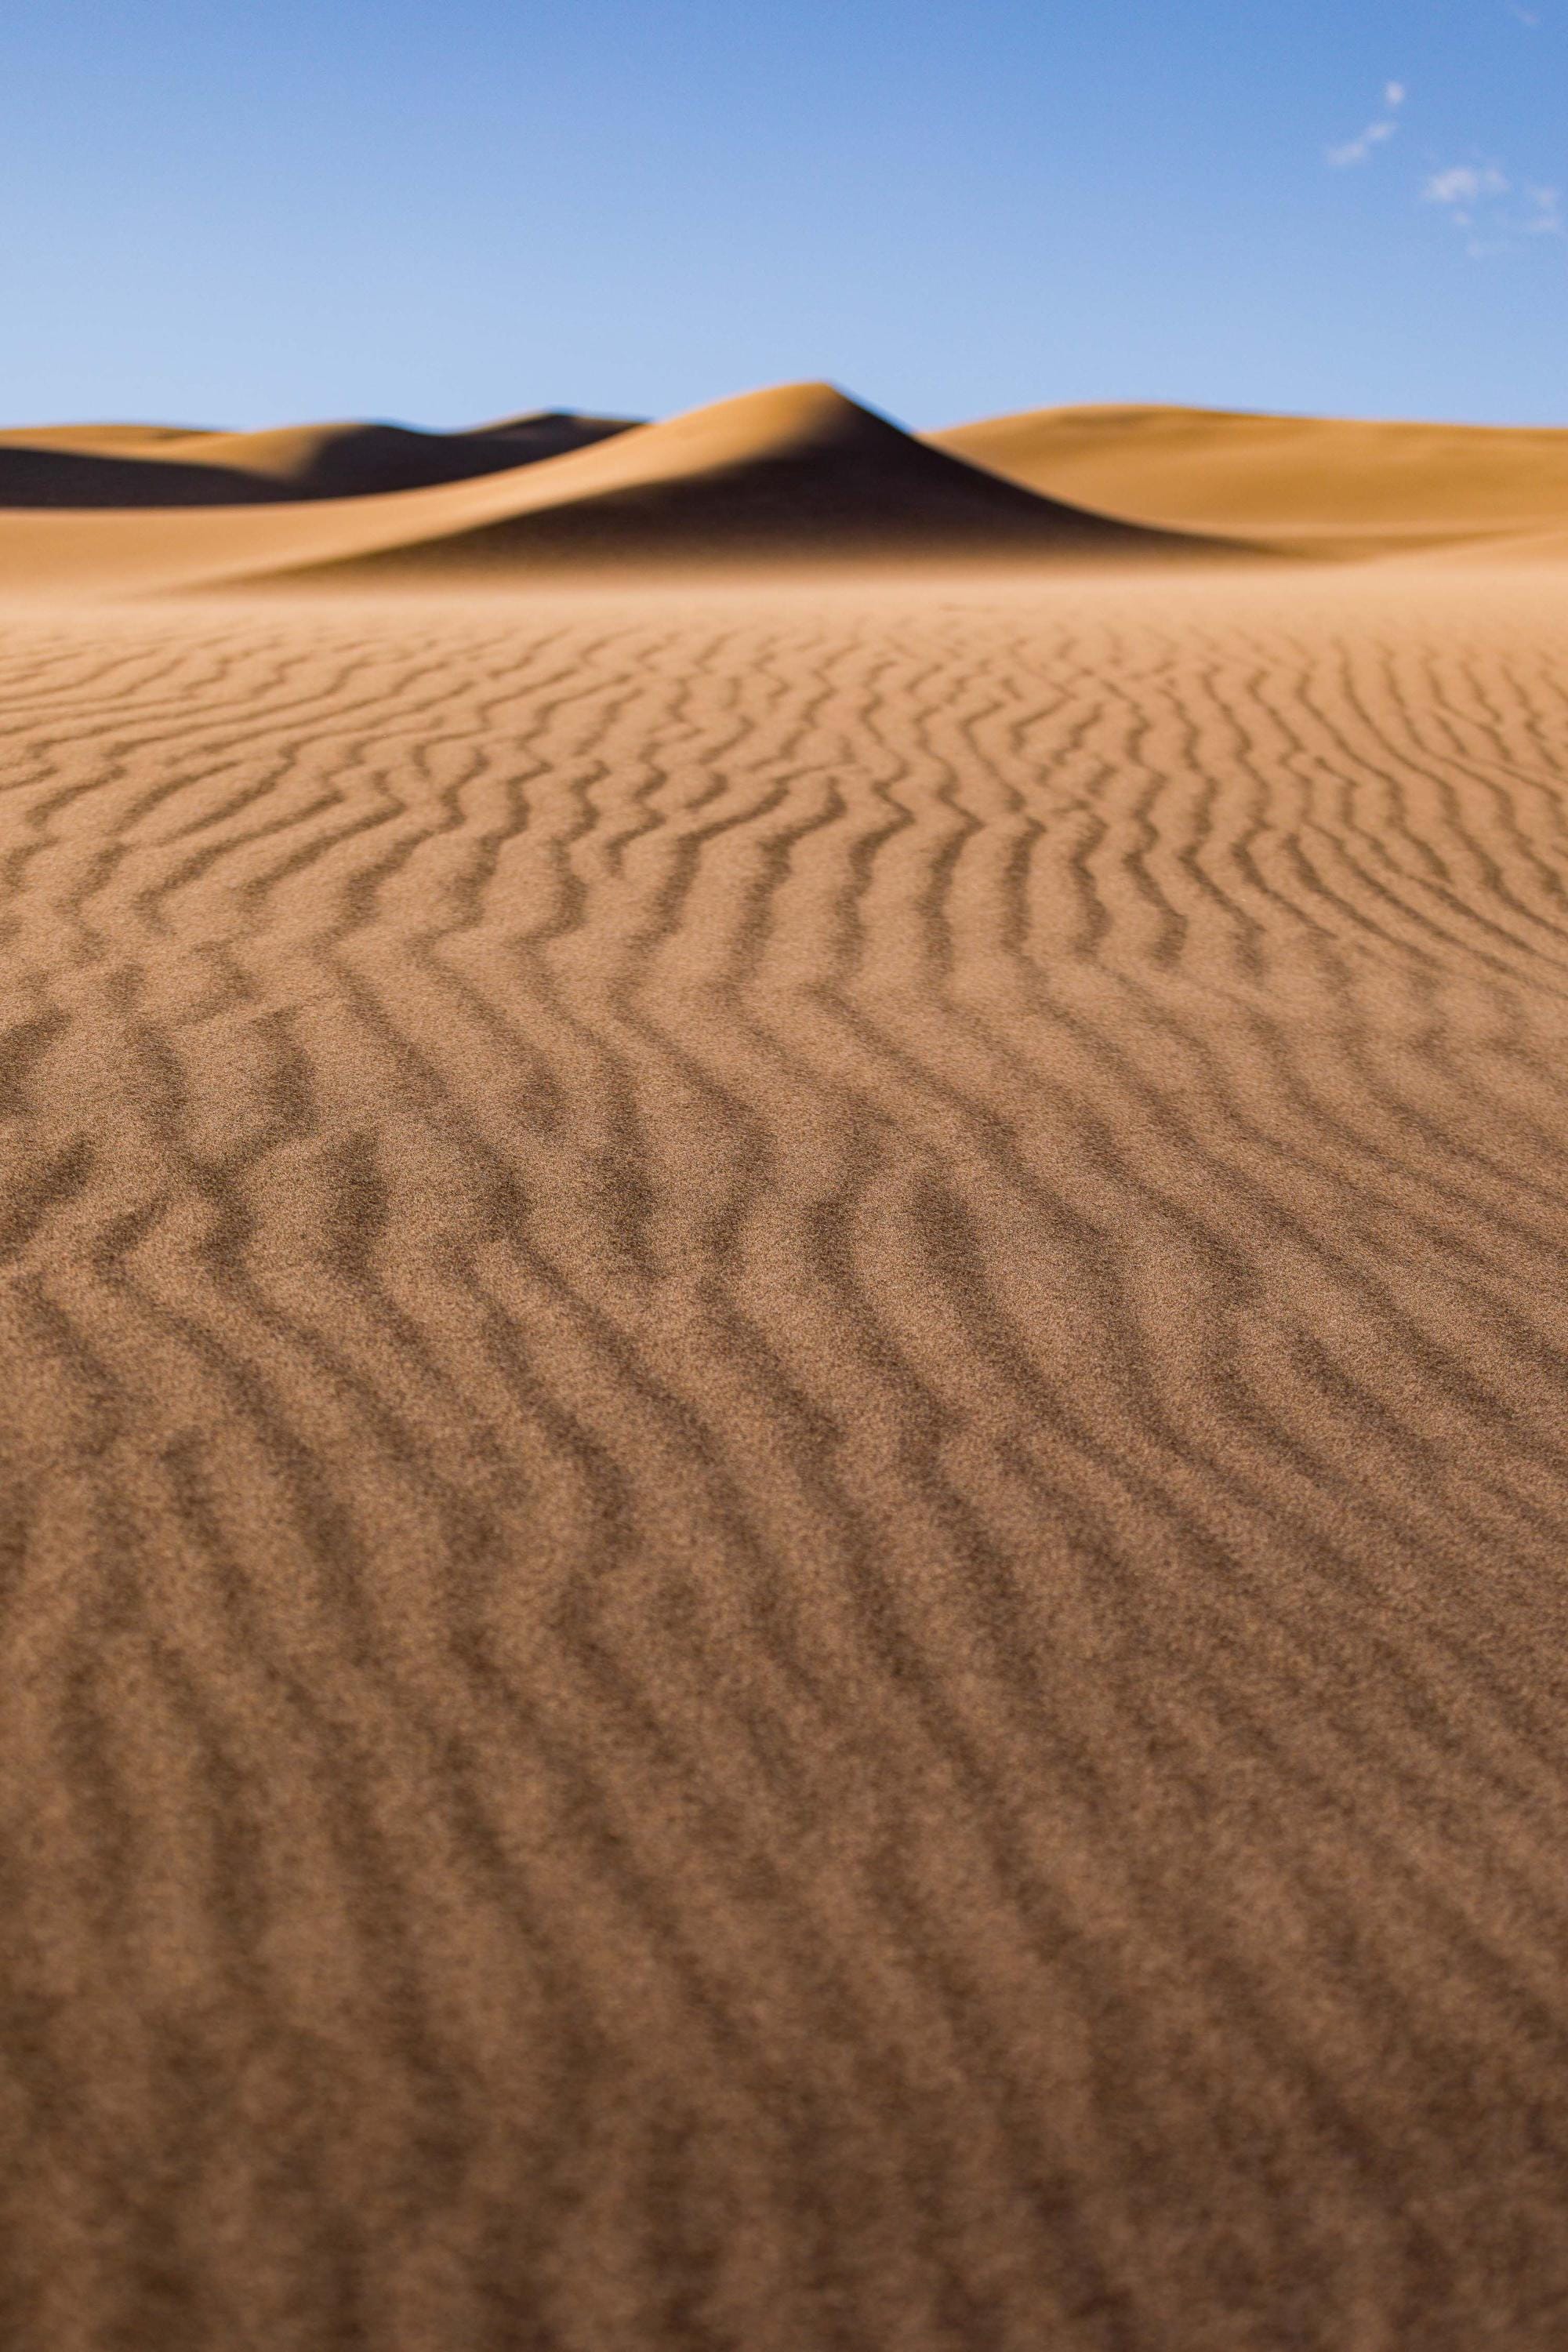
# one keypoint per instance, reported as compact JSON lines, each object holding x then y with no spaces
{"x":786,"y":1453}
{"x":552,"y":432}
{"x":797,"y":474}
{"x":162,"y":466}
{"x":1321,"y":484}
{"x":107,"y":440}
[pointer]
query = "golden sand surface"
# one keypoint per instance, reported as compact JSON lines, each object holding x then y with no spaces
{"x":1326,"y":485}
{"x":785,"y":1452}
{"x":796,"y":470}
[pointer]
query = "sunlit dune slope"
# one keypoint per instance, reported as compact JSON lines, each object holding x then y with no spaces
{"x":160,"y":466}
{"x":1307,"y":480}
{"x":796,"y":472}
{"x":102,"y":440}
{"x":799,"y":470}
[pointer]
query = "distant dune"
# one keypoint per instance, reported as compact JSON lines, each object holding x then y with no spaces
{"x":163,"y":465}
{"x":552,"y":432}
{"x":799,"y":474}
{"x":1319,"y":484}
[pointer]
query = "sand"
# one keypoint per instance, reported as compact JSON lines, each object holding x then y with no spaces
{"x":798,"y":476}
{"x":1309,"y":485}
{"x":108,"y":465}
{"x":787,"y":1454}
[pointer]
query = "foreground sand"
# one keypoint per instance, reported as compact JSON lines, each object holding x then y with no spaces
{"x":787,"y":1443}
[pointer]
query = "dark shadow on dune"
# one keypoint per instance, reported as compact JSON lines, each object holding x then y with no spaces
{"x":296,"y":462}
{"x":816,"y":478}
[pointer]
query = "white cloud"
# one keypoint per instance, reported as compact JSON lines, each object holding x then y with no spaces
{"x":1493,"y":211}
{"x":1356,"y":150}
{"x":1545,"y":217}
{"x":1465,"y":184}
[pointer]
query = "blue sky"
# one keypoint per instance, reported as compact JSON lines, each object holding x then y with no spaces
{"x":440,"y":210}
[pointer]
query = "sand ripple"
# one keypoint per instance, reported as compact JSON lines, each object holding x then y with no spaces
{"x":786,"y":1383}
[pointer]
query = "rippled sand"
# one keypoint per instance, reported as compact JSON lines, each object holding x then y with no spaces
{"x":786,"y":1469}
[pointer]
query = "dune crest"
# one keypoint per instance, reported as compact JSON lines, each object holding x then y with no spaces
{"x":799,"y":474}
{"x":109,"y":467}
{"x":795,"y":473}
{"x":1318,"y":484}
{"x":553,"y":432}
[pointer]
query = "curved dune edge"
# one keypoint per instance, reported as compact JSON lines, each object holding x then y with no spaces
{"x":1328,"y":485}
{"x":103,"y":467}
{"x":797,"y":474}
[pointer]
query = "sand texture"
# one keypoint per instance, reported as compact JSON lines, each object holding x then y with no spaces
{"x":786,"y":1464}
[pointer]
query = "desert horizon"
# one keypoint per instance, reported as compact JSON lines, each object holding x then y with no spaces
{"x":797,"y":474}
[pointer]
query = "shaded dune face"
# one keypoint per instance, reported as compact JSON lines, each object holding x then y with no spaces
{"x":801,"y":472}
{"x":35,"y":475}
{"x":786,"y":1380}
{"x":110,"y":467}
{"x":798,"y":475}
{"x":1317,"y":482}
{"x":553,"y":432}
